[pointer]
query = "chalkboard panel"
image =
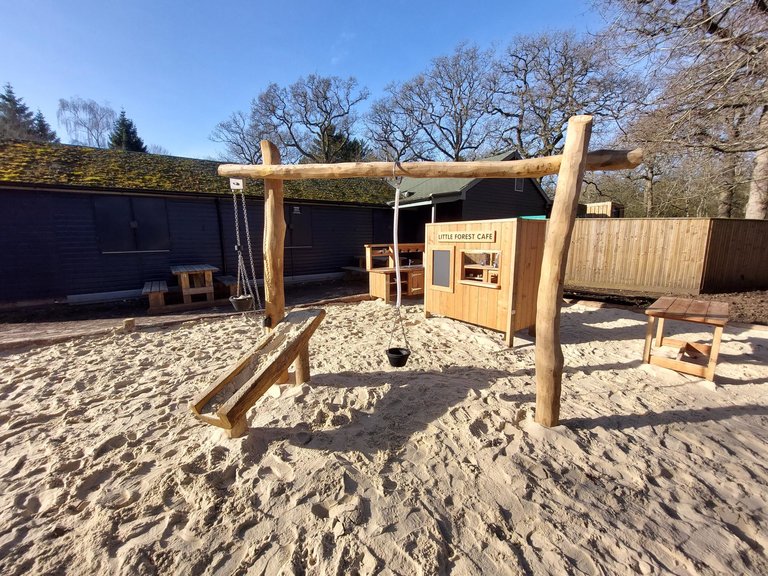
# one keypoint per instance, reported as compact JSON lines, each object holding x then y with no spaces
{"x":441,"y":268}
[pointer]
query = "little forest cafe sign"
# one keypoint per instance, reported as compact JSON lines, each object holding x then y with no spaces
{"x":467,"y":236}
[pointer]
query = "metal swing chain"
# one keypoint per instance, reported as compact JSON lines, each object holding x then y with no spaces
{"x":238,"y":245}
{"x":255,"y":288}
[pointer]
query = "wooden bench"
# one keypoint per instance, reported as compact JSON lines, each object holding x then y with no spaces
{"x":685,"y":310}
{"x":228,"y":281}
{"x":155,"y":290}
{"x":227,"y":400}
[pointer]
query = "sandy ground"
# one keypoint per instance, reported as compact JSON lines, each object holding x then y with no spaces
{"x":434,"y":468}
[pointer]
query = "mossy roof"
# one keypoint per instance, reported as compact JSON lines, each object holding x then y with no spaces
{"x":33,"y":163}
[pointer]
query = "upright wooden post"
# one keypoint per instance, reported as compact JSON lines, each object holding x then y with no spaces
{"x":274,"y":240}
{"x":549,"y":354}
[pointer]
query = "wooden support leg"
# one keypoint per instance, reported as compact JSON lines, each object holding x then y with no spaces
{"x":509,"y":339}
{"x":648,"y":339}
{"x":549,"y":352}
{"x":302,"y":365}
{"x":710,"y":372}
{"x":239,"y":429}
{"x":184,"y":281}
{"x":660,"y":333}
{"x":156,"y":300}
{"x":209,"y":285}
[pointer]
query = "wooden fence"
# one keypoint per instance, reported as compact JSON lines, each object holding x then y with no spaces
{"x":668,"y":255}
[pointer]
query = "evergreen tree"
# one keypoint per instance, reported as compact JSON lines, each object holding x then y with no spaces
{"x":18,"y":122}
{"x":124,"y":135}
{"x":16,"y":119}
{"x":42,"y":130}
{"x":334,"y":146}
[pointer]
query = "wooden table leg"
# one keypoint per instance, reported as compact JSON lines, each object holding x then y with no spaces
{"x":660,"y":333}
{"x":209,"y":285}
{"x":648,"y":338}
{"x":184,"y":282}
{"x":710,"y":372}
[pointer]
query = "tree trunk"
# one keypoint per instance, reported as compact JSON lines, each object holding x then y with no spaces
{"x":757,"y":205}
{"x":725,"y":198}
{"x":648,"y":192}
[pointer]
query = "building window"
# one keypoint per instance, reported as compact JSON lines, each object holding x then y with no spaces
{"x":126,"y":224}
{"x":519,"y":184}
{"x":442,"y":270}
{"x":480,"y":267}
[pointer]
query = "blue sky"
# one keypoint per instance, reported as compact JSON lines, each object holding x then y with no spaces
{"x":178,"y":68}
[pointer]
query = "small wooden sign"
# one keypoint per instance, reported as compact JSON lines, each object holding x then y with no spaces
{"x":488,"y":236}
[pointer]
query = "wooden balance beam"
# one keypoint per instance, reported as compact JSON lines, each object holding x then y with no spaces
{"x":227,"y":400}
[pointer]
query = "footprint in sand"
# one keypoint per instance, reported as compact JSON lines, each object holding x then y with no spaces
{"x":277,"y":468}
{"x":114,"y":498}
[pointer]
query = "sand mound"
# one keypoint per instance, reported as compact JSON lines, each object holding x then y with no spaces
{"x":429,"y":469}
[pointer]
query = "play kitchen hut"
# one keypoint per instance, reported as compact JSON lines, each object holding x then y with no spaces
{"x":485,"y":272}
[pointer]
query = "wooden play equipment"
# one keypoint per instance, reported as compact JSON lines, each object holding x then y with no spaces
{"x":685,"y":310}
{"x":485,"y":272}
{"x":570,"y":168}
{"x":382,"y":279}
{"x":226,"y":401}
{"x":246,"y":296}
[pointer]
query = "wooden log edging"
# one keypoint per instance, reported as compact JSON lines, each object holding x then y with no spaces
{"x":527,"y":168}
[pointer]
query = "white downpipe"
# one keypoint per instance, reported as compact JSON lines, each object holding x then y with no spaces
{"x":397,"y":248}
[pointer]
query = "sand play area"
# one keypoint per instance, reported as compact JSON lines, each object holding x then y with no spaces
{"x":435,"y":468}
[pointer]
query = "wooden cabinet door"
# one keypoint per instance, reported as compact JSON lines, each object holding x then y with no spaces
{"x":416,"y":283}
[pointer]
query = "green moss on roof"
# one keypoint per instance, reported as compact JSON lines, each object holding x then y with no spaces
{"x":33,"y":163}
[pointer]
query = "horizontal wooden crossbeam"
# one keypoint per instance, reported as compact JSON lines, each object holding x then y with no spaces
{"x":527,"y":168}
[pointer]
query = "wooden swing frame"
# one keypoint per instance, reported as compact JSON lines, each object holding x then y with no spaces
{"x":570,"y":167}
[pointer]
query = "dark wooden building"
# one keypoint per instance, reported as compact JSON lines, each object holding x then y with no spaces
{"x":461,"y":199}
{"x":78,"y":221}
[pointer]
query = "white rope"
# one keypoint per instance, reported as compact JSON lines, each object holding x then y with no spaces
{"x":396,"y":248}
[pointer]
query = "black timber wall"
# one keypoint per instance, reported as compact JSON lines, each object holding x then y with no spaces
{"x":50,"y":245}
{"x":493,"y":198}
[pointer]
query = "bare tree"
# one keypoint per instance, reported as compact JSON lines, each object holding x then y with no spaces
{"x":711,"y":57}
{"x":444,"y":111}
{"x":311,"y":111}
{"x":87,"y":122}
{"x":240,"y":135}
{"x":158,"y":149}
{"x":394,"y":134}
{"x":545,"y":79}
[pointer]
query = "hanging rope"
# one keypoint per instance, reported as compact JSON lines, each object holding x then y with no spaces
{"x":396,"y":250}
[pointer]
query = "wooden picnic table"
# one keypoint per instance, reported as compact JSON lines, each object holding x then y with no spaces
{"x":195,"y":279}
{"x":686,"y":310}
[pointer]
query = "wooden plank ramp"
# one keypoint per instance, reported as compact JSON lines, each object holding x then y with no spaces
{"x":227,"y":400}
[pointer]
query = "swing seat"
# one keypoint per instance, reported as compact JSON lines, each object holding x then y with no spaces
{"x":227,"y":400}
{"x":242,"y":303}
{"x":398,"y":356}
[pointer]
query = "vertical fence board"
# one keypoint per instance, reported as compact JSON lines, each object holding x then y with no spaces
{"x":737,"y":256}
{"x":641,"y":255}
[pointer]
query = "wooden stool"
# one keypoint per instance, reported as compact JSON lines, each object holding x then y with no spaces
{"x":694,"y":311}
